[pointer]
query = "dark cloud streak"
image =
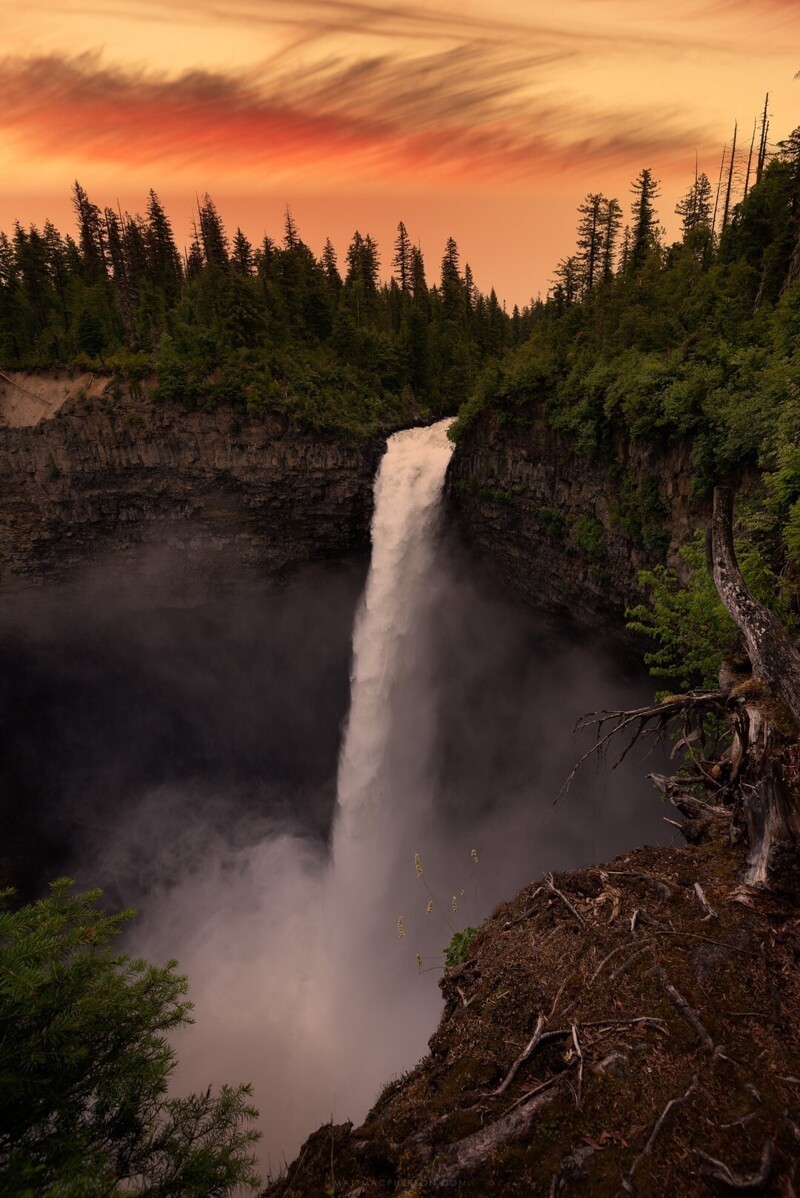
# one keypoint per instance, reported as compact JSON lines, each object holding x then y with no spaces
{"x":460,"y":112}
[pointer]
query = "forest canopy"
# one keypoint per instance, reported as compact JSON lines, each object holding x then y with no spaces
{"x":266,"y":327}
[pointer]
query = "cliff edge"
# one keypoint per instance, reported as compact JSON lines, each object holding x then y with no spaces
{"x":104,"y":472}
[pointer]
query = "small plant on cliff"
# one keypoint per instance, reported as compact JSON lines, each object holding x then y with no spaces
{"x":461,"y":938}
{"x":85,"y":1061}
{"x":458,"y":948}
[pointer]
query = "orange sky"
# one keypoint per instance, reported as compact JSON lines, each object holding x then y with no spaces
{"x":483,"y":121}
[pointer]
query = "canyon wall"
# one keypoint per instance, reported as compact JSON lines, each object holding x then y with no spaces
{"x":104,"y":474}
{"x":566,"y":532}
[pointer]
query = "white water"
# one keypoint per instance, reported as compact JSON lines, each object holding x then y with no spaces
{"x":301,"y":983}
{"x":407,"y":491}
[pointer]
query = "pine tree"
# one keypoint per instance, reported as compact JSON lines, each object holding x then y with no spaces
{"x":90,"y":235}
{"x":419,"y":285}
{"x":291,"y":238}
{"x":84,"y":1106}
{"x":695,"y":207}
{"x":162,"y":253}
{"x":402,"y":258}
{"x":590,"y":238}
{"x":568,"y":275}
{"x":123,"y":286}
{"x":265,"y":259}
{"x":452,"y":291}
{"x":330,"y":267}
{"x":212,"y":234}
{"x":363,"y":263}
{"x":644,"y":230}
{"x":612,"y":222}
{"x":470,"y":290}
{"x":194,"y":259}
{"x":242,"y":257}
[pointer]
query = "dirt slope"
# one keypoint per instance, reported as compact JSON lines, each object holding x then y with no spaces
{"x":614,"y":1037}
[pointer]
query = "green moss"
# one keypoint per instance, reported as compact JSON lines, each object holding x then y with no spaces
{"x":588,"y":535}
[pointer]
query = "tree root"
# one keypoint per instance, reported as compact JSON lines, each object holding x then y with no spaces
{"x":648,"y":1148}
{"x":684,"y":1009}
{"x":521,"y":1059}
{"x":719,"y":1171}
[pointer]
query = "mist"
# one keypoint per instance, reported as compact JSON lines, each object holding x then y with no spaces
{"x":186,"y":758}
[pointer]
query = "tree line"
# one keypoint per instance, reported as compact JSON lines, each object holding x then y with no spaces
{"x":694,"y":342}
{"x":263,"y":326}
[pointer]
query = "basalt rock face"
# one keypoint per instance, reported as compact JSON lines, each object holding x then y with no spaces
{"x":217,"y":491}
{"x":567,"y":532}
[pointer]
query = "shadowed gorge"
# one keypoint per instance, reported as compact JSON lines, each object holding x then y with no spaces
{"x":197,"y":753}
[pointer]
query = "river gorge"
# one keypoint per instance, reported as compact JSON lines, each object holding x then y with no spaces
{"x":258,"y":780}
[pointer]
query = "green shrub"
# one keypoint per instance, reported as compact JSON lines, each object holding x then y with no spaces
{"x":458,"y":948}
{"x":85,"y":1061}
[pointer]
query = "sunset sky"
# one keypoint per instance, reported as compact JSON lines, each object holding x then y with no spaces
{"x":484,"y":121}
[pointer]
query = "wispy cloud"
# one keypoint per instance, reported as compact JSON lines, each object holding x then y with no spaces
{"x":462,"y":111}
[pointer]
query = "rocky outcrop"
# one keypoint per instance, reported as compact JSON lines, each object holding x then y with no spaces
{"x":565,"y":531}
{"x":626,"y":1028}
{"x":220,"y":488}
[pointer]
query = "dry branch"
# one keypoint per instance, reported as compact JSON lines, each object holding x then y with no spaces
{"x":551,"y":886}
{"x":723,"y":1173}
{"x":579,"y":1054}
{"x":625,"y":966}
{"x":704,"y":903}
{"x":648,"y":1148}
{"x":512,"y":923}
{"x":653,"y":720}
{"x":684,"y":1008}
{"x":521,"y":1059}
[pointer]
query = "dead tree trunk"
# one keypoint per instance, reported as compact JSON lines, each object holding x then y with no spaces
{"x":763,"y":756}
{"x":773,"y":656}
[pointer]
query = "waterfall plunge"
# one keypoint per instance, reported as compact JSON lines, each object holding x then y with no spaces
{"x":300,"y":982}
{"x":407,"y":491}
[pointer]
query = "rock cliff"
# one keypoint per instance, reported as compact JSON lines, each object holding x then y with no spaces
{"x":107,"y":472}
{"x":568,"y":532}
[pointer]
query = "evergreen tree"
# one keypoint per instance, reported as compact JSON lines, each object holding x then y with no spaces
{"x":242,"y":257}
{"x":194,"y":259}
{"x":594,"y":214}
{"x":568,"y":281}
{"x":644,"y":230}
{"x":90,"y":235}
{"x":402,"y":258}
{"x":212,"y":235}
{"x":612,"y":222}
{"x":291,"y":237}
{"x":330,"y":267}
{"x":84,"y":1108}
{"x":695,"y":208}
{"x":162,"y":253}
{"x":452,"y":290}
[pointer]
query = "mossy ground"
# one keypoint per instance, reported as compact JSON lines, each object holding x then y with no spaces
{"x":737,"y":972}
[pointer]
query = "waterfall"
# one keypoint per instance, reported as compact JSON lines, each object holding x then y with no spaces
{"x":300,"y":981}
{"x":407,"y":491}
